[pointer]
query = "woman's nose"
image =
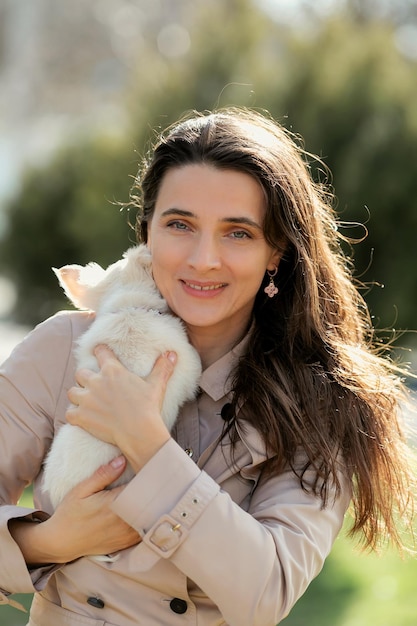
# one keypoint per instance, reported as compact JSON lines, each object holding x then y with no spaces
{"x":204,"y":254}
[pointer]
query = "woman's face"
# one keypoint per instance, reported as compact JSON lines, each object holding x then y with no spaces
{"x":209,"y":254}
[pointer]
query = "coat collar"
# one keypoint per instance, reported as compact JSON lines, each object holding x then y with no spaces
{"x":248,"y":455}
{"x":250,"y":451}
{"x":215,"y":380}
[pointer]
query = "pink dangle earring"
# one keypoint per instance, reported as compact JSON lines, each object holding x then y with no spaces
{"x":271,"y":290}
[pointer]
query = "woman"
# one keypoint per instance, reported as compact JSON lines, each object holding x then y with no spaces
{"x":231,"y":515}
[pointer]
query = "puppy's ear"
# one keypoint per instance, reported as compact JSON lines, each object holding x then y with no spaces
{"x":79,"y":284}
{"x":137,"y":264}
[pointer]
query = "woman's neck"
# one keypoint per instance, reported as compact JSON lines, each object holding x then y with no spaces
{"x":211,"y":346}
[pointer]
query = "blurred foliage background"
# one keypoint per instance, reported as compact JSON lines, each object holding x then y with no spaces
{"x":84,"y":88}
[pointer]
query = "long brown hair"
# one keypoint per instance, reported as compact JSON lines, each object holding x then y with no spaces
{"x":312,"y":375}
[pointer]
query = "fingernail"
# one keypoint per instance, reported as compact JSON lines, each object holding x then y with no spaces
{"x":117,"y":462}
{"x":172,"y":357}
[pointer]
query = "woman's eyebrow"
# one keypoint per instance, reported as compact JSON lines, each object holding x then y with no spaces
{"x":174,"y":211}
{"x":242,"y":220}
{"x":229,"y":220}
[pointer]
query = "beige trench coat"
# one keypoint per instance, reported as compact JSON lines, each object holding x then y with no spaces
{"x":221,"y":544}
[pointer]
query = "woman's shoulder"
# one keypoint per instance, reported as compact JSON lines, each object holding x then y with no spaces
{"x":50,"y":342}
{"x":35,"y":378}
{"x":77,"y":321}
{"x":66,"y":323}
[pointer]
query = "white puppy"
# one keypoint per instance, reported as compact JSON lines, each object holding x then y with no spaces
{"x":132,"y":319}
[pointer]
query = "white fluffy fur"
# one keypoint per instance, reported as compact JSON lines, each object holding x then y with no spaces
{"x":134,"y":321}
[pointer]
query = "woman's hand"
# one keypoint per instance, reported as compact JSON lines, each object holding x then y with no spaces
{"x":121,"y":408}
{"x":83,"y":524}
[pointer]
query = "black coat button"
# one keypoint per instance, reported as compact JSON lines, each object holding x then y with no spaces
{"x":97,"y":603}
{"x":178,"y":606}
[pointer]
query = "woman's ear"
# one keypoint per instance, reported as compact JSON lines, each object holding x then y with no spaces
{"x":148,"y":241}
{"x":274,"y":260}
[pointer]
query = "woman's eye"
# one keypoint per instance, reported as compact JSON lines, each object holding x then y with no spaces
{"x":177,"y":225}
{"x":240,"y":234}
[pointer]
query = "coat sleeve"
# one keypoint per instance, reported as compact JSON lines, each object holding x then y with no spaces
{"x":254,"y":565}
{"x":31,"y":390}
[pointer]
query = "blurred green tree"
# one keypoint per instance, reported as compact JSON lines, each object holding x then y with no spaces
{"x":67,"y":212}
{"x":351,"y":95}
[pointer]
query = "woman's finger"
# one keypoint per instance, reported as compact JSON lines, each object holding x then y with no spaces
{"x":74,"y":394}
{"x":164,"y":366}
{"x":102,"y":477}
{"x":104,"y":355}
{"x":83,"y":375}
{"x":163,"y":369}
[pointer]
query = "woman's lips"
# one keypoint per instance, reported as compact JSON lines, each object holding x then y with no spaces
{"x":203,"y":288}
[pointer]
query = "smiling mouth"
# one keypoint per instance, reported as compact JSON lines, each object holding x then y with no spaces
{"x":204,"y":287}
